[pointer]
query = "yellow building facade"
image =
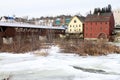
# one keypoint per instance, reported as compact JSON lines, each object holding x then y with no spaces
{"x":76,"y":25}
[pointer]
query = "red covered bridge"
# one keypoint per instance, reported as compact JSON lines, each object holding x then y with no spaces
{"x":11,"y":30}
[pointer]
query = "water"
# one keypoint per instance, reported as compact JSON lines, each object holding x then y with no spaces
{"x":59,"y":66}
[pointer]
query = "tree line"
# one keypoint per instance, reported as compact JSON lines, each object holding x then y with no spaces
{"x":103,"y":10}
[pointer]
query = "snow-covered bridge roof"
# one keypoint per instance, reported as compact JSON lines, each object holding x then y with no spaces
{"x":25,"y":25}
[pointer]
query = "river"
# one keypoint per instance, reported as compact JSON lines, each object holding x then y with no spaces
{"x":59,"y":66}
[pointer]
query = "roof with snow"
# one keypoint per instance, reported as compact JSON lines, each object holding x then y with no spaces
{"x":25,"y":25}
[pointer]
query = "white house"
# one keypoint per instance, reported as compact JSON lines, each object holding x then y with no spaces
{"x":7,"y":19}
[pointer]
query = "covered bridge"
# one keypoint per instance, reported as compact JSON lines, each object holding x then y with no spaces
{"x":10,"y":30}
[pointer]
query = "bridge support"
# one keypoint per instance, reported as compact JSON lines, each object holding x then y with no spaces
{"x":1,"y":42}
{"x":7,"y":40}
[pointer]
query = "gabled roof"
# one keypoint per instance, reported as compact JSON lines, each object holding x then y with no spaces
{"x":81,"y":18}
{"x":98,"y":17}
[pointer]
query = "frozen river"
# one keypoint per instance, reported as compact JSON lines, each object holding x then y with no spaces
{"x":59,"y":66}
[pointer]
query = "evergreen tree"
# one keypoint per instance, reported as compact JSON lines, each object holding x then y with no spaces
{"x":106,"y":9}
{"x":95,"y":11}
{"x":103,"y":10}
{"x":109,"y":8}
{"x":98,"y":10}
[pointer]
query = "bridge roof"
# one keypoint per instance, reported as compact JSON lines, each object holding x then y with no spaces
{"x":25,"y":25}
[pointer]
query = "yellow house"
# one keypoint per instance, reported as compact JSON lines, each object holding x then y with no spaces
{"x":76,"y":25}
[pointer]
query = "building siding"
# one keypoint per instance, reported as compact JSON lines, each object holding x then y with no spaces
{"x":75,"y":26}
{"x":96,"y":29}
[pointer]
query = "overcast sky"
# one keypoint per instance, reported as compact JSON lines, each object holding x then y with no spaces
{"x":37,"y":8}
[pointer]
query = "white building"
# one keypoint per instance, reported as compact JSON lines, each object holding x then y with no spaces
{"x":7,"y":19}
{"x":76,"y":25}
{"x":44,"y":22}
{"x":116,"y":13}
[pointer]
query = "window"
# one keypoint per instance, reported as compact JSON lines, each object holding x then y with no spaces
{"x":90,"y":34}
{"x":91,"y":28}
{"x":79,"y":25}
{"x":75,"y":21}
{"x":76,"y":25}
{"x":73,"y":25}
{"x":91,"y":23}
{"x":70,"y":26}
{"x":96,"y":23}
{"x":101,"y":28}
{"x":70,"y":30}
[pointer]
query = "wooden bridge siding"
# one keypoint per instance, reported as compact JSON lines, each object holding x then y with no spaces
{"x":9,"y":32}
{"x":1,"y":34}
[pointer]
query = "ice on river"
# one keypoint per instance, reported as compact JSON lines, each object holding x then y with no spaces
{"x":59,"y":66}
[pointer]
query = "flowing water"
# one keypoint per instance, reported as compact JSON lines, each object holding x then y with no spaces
{"x":59,"y":66}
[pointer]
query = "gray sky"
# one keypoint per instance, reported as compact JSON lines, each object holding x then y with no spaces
{"x":37,"y":8}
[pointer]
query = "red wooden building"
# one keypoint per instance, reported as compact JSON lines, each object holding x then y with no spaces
{"x":99,"y":26}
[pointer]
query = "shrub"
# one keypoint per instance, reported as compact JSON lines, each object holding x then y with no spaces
{"x":41,"y":53}
{"x":92,"y":48}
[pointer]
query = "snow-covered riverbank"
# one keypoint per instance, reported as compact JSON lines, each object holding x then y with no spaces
{"x":59,"y":66}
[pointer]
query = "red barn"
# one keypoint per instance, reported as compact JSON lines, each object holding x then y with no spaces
{"x":99,"y":26}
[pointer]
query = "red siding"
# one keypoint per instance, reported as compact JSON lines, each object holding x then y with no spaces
{"x":92,"y":29}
